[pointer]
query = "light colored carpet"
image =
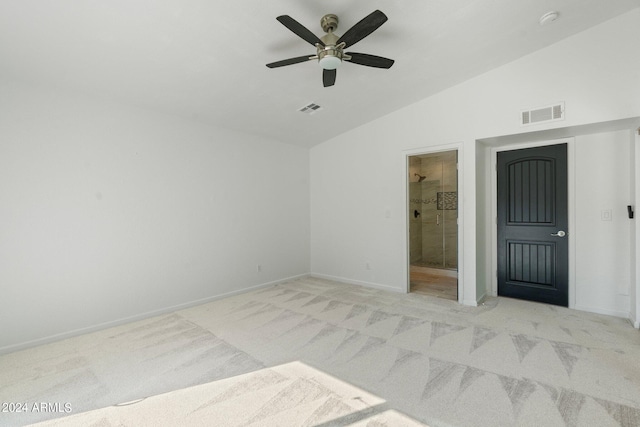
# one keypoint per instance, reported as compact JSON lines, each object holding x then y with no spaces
{"x":325,"y":353}
{"x":292,"y":394}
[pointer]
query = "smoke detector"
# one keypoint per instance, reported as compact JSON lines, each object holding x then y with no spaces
{"x":549,"y":17}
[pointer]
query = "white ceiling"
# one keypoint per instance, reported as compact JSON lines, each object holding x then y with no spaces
{"x":205,"y":59}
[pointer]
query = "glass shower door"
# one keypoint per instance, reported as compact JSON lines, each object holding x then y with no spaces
{"x":434,"y":207}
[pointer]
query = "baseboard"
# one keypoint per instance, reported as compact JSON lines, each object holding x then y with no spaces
{"x":602,"y":311}
{"x":89,"y":329}
{"x":481,"y":300}
{"x":357,"y":282}
{"x":634,"y":322}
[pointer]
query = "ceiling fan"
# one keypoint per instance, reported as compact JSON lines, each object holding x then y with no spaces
{"x":330,"y":47}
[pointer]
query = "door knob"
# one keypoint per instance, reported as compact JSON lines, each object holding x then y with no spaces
{"x":559,"y":234}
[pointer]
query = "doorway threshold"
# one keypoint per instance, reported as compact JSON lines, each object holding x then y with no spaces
{"x":434,"y":282}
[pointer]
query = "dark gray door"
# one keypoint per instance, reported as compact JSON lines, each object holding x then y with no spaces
{"x":533,"y":250}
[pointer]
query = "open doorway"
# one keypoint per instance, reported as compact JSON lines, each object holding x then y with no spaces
{"x":433,"y":224}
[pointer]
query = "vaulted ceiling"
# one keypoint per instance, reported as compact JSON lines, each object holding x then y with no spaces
{"x":205,"y":60}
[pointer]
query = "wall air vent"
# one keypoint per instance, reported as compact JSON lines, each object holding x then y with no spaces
{"x":310,"y":108}
{"x":550,"y":113}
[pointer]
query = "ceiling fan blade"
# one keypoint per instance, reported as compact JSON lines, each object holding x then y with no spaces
{"x":328,"y":77}
{"x":290,"y":61}
{"x":362,"y":29}
{"x":299,"y":30}
{"x":369,"y":60}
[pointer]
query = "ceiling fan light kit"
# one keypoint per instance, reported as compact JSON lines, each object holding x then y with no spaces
{"x":330,"y":48}
{"x":331,"y":56}
{"x":329,"y":60}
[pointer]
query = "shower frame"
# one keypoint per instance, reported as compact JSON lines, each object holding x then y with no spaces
{"x":407,"y":154}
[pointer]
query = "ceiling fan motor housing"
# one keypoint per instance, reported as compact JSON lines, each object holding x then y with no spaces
{"x":330,"y":56}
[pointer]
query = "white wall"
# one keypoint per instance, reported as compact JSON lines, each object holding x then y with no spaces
{"x":603,"y":255}
{"x":485,"y":220}
{"x":359,"y":175}
{"x":634,"y":291}
{"x":110,"y":213}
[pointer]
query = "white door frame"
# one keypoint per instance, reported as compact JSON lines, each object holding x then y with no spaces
{"x":405,"y":185}
{"x":571,"y":168}
{"x":635,"y":199}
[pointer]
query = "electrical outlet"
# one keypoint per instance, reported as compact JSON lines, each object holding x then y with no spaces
{"x":606,"y":215}
{"x":367,"y":265}
{"x":258,"y":268}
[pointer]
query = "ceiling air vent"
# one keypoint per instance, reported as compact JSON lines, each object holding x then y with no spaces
{"x":310,"y":108}
{"x":549,"y":113}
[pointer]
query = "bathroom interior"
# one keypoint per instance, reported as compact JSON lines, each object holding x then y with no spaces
{"x":433,"y":224}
